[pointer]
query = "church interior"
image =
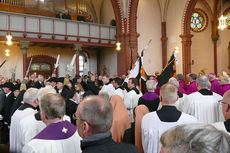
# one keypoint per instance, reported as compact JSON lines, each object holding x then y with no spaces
{"x":78,"y":72}
{"x":191,"y":26}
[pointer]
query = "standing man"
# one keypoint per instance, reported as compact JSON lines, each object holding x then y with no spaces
{"x":119,"y":90}
{"x":94,"y":119}
{"x":154,"y":124}
{"x":29,"y":107}
{"x":107,"y":87}
{"x":224,"y":85}
{"x":192,"y":87}
{"x":132,"y":97}
{"x":203,"y":104}
{"x":214,"y":82}
{"x":40,"y":83}
{"x":8,"y":88}
{"x":59,"y":135}
{"x":61,"y":88}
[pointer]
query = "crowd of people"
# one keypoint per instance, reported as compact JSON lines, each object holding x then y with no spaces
{"x":95,"y":113}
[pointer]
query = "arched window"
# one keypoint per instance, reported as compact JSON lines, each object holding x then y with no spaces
{"x":199,"y":20}
{"x":81,"y":65}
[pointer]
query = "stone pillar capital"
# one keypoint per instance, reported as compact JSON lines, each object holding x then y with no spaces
{"x":24,"y":45}
{"x":77,"y":48}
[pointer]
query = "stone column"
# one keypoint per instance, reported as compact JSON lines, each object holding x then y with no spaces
{"x":186,"y":53}
{"x":24,"y":45}
{"x":164,"y":43}
{"x":77,"y":48}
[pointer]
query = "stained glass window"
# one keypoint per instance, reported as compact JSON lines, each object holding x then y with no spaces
{"x":228,"y":18}
{"x":199,"y":20}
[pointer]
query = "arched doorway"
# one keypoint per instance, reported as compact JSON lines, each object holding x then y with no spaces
{"x":42,"y":64}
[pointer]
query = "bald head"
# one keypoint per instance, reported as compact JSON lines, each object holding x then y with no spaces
{"x":226,"y":97}
{"x":97,"y":112}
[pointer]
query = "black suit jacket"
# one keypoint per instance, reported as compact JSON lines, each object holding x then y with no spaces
{"x":39,"y":85}
{"x":7,"y":107}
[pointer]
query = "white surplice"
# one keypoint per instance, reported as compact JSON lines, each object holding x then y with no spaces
{"x":30,"y":127}
{"x":204,"y":107}
{"x":109,"y":89}
{"x":121,"y":93}
{"x":15,"y":129}
{"x":59,"y":137}
{"x":152,"y":129}
{"x":131,"y":101}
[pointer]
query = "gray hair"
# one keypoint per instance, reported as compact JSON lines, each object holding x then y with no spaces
{"x":168,"y":93}
{"x":195,"y":138}
{"x":180,"y":77}
{"x":30,"y":95}
{"x":193,"y":76}
{"x":53,"y":105}
{"x":97,"y":112}
{"x":151,"y":85}
{"x":174,"y":82}
{"x":44,"y":91}
{"x":104,"y":95}
{"x":203,"y":82}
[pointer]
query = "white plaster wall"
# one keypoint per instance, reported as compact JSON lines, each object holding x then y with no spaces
{"x":149,"y":27}
{"x":107,"y":13}
{"x":108,"y":57}
{"x":202,"y":51}
{"x":15,"y":59}
{"x":174,"y":20}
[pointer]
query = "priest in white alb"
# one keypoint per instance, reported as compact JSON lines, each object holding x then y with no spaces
{"x":203,"y":104}
{"x":154,"y":124}
{"x":132,"y":97}
{"x":59,"y":136}
{"x":28,"y":108}
{"x":107,"y":87}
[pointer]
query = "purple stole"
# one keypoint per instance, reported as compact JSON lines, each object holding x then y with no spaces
{"x":192,"y":87}
{"x":214,"y":86}
{"x":150,"y":96}
{"x":57,"y":131}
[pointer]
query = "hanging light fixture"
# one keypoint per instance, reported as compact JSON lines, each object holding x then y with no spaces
{"x":118,"y":44}
{"x":222,"y":20}
{"x":9,"y":40}
{"x":176,"y":49}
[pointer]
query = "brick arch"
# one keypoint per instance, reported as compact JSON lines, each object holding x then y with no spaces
{"x":43,"y":59}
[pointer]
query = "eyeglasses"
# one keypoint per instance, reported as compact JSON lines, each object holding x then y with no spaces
{"x":221,"y":103}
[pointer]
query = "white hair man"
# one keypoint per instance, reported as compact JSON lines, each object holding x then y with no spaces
{"x":94,"y":119}
{"x":150,"y":99}
{"x":203,"y":104}
{"x":131,"y":99}
{"x":59,"y":135}
{"x":33,"y":124}
{"x":28,"y":108}
{"x":107,"y":87}
{"x":195,"y":138}
{"x":224,"y":85}
{"x":154,"y":124}
{"x":225,"y":103}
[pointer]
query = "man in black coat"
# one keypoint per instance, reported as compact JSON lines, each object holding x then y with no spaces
{"x":94,"y":119}
{"x":8,"y":88}
{"x":40,"y":83}
{"x":61,"y":88}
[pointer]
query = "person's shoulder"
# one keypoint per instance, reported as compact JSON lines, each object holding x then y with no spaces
{"x":188,"y":118}
{"x":149,"y":116}
{"x":127,"y":148}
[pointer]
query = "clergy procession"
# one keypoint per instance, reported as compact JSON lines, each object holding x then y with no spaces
{"x":95,"y":113}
